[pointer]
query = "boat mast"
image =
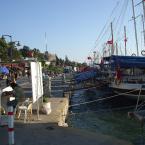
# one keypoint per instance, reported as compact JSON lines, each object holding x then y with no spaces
{"x":143,"y":3}
{"x":135,"y":27}
{"x":125,"y":40}
{"x":143,"y":28}
{"x":112,"y":50}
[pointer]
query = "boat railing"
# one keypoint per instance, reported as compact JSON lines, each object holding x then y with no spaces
{"x":134,"y":79}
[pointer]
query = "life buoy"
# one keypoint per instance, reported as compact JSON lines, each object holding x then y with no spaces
{"x":143,"y":52}
{"x":133,"y":54}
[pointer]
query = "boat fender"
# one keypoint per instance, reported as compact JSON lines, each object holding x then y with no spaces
{"x":143,"y":52}
{"x":133,"y":54}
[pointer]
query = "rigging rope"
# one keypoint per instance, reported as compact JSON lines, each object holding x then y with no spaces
{"x":103,"y":29}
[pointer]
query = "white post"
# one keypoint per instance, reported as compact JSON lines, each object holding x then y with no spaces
{"x":11,"y":125}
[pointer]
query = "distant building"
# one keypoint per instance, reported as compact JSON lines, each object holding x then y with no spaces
{"x":50,"y":58}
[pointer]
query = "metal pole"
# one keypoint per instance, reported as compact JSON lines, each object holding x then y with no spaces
{"x":135,"y":27}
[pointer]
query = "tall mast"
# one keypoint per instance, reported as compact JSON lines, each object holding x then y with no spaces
{"x":112,"y":51}
{"x":143,"y":19}
{"x":143,"y":3}
{"x":125,"y":40}
{"x":135,"y":27}
{"x":143,"y":28}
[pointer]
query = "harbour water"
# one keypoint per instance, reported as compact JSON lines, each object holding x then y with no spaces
{"x":108,"y":116}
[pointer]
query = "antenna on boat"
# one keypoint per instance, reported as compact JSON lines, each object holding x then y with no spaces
{"x":45,"y":41}
{"x":134,"y":19}
{"x":125,"y":40}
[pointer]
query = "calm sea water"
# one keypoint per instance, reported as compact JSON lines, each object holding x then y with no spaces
{"x":108,"y":116}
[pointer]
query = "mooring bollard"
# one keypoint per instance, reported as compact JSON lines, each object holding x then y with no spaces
{"x":11,"y":125}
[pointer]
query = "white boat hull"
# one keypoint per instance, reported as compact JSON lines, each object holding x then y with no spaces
{"x":131,"y":90}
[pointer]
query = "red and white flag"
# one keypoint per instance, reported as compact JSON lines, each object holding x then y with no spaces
{"x":110,"y":42}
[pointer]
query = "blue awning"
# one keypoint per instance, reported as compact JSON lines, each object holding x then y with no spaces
{"x":127,"y":61}
{"x":83,"y":76}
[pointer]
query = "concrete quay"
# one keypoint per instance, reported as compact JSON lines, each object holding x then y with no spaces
{"x":48,"y":134}
{"x":59,"y":110}
{"x":50,"y":130}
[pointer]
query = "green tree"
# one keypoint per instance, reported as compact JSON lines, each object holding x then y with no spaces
{"x":3,"y":50}
{"x":24,"y":51}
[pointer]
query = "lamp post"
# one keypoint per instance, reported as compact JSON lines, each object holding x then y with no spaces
{"x":3,"y":37}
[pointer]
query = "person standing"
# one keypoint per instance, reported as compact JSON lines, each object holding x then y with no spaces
{"x":18,"y":93}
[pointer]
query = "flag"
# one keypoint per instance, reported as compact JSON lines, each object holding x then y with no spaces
{"x":110,"y":42}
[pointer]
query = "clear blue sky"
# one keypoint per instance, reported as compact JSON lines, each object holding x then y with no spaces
{"x":72,"y":26}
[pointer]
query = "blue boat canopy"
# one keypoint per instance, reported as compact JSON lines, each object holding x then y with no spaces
{"x":126,"y":61}
{"x":83,"y":76}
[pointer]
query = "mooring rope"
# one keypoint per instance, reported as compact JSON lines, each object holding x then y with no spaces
{"x":138,"y":98}
{"x":102,"y":110}
{"x":101,"y":99}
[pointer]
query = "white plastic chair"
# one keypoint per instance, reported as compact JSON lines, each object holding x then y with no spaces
{"x":26,"y":107}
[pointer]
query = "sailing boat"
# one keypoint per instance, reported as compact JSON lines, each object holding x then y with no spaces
{"x":131,"y":81}
{"x":128,"y":72}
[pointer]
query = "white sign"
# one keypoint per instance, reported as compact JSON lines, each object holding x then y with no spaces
{"x":37,"y":82}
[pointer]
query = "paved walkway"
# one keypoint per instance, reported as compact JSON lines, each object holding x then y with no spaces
{"x":47,"y":134}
